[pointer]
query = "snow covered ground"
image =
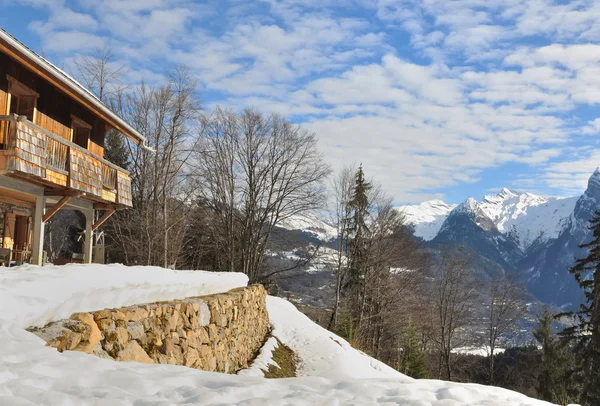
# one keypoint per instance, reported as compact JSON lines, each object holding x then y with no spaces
{"x":331,"y":371}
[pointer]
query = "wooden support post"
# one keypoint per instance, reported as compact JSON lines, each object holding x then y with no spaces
{"x":103,"y":219}
{"x":37,"y":243}
{"x":61,"y":203}
{"x":89,"y":234}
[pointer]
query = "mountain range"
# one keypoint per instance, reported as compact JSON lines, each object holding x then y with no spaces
{"x":536,"y":237}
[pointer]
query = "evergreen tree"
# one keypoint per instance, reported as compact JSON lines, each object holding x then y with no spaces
{"x":358,"y":243}
{"x":553,"y":375}
{"x":115,"y":149}
{"x":587,"y":329}
{"x":411,"y":358}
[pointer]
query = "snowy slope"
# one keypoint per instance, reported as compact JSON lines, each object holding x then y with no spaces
{"x":526,"y":217}
{"x":310,"y":224}
{"x":333,"y":373}
{"x":427,"y":217}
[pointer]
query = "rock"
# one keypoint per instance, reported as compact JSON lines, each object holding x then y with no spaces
{"x":133,"y":352}
{"x":118,"y":315}
{"x":191,"y":357}
{"x":205,"y":350}
{"x":203,"y":314}
{"x":102,"y":314}
{"x":213,"y":333}
{"x":212,"y":364}
{"x":68,"y":341}
{"x":220,"y":320}
{"x":100,"y":352}
{"x":122,"y":335}
{"x":173,"y":320}
{"x":93,"y":334}
{"x":135,"y":314}
{"x":136,"y":330}
{"x":168,"y":347}
{"x":202,"y":335}
{"x":105,"y":325}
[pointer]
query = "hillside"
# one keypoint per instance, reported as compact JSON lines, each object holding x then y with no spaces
{"x":329,"y":371}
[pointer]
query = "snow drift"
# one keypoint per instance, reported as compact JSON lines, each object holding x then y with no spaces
{"x":331,"y":371}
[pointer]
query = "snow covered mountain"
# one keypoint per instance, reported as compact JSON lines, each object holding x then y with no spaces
{"x":310,"y":224}
{"x":524,"y":217}
{"x":427,"y":217}
{"x":537,"y":237}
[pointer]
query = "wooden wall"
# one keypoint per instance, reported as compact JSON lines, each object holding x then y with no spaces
{"x":85,"y":173}
{"x":52,"y":125}
{"x":3,"y":124}
{"x":27,"y":151}
{"x":54,"y":107}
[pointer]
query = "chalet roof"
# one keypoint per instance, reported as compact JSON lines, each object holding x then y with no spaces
{"x":66,"y":83}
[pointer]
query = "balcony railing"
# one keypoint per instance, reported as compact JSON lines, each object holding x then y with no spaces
{"x":57,"y":155}
{"x":32,"y":150}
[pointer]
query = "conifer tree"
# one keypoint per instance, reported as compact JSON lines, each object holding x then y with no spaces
{"x":553,"y":361}
{"x":411,"y":359}
{"x":587,"y":329}
{"x":358,"y":243}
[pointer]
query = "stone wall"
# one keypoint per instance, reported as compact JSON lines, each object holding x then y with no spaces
{"x":220,"y":332}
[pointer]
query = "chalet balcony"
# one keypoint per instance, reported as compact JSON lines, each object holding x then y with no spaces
{"x":40,"y":156}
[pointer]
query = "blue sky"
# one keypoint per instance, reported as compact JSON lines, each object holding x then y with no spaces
{"x":436,"y":98}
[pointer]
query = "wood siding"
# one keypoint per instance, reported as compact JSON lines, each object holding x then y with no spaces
{"x":124,"y":189}
{"x":27,"y":150}
{"x":3,"y":109}
{"x":96,"y":149}
{"x":85,"y":173}
{"x":53,"y":126}
{"x":56,"y":177}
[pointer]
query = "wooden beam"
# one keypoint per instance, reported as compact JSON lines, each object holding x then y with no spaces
{"x":106,"y":206}
{"x":103,"y":219}
{"x":61,"y":203}
{"x":63,"y":192}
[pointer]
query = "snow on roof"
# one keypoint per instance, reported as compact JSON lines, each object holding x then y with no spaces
{"x":330,"y":370}
{"x":71,"y":83}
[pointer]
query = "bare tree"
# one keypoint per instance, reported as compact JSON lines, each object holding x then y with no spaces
{"x":506,"y":307}
{"x":152,"y":233}
{"x":255,"y":171}
{"x":454,"y":292}
{"x":100,"y":73}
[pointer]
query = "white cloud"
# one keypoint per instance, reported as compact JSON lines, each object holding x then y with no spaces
{"x":464,"y":98}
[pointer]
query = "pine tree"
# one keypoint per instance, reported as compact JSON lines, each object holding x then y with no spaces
{"x":552,"y":362}
{"x":411,"y":359}
{"x":116,"y":149}
{"x":587,"y":330}
{"x":358,"y":243}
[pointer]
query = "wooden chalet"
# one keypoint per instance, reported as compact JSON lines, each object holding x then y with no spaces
{"x":52,"y":134}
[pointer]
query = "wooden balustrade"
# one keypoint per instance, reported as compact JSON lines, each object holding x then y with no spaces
{"x":34,"y":151}
{"x":5,"y":128}
{"x":56,"y":155}
{"x":109,"y":177}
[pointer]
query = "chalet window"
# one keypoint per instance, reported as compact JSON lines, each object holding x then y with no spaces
{"x":81,"y":132}
{"x":23,"y":100}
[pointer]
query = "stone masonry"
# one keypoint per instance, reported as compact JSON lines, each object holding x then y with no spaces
{"x":220,"y":332}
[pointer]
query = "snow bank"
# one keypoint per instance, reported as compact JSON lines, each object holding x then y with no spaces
{"x":37,"y":295}
{"x":333,"y":373}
